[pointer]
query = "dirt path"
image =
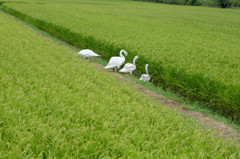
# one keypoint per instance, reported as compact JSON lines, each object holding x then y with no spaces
{"x":221,"y":129}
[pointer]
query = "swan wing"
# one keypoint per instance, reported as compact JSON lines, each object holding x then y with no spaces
{"x":145,"y":77}
{"x":130,"y":67}
{"x":115,"y":62}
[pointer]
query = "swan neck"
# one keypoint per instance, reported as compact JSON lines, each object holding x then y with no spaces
{"x":134,"y":60}
{"x":146,"y":68}
{"x":121,"y":54}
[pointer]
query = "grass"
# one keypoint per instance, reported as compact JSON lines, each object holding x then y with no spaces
{"x":167,"y":93}
{"x":187,"y":105}
{"x":54,"y":104}
{"x":191,"y":50}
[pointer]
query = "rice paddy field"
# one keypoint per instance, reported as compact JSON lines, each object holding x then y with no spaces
{"x":54,"y":104}
{"x":192,"y":50}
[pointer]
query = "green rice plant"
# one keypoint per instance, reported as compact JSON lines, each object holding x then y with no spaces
{"x":192,"y":50}
{"x":54,"y":104}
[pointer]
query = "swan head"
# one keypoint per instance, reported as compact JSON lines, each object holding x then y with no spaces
{"x":146,"y":67}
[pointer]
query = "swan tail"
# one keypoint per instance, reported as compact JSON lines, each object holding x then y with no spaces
{"x":108,"y":66}
{"x":123,"y":70}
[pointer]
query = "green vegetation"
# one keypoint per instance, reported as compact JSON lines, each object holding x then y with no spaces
{"x":192,"y":50}
{"x":181,"y":2}
{"x":55,"y":104}
{"x":211,"y":3}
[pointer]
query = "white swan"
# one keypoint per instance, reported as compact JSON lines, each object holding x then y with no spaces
{"x":116,"y":62}
{"x":86,"y":53}
{"x":129,"y":67}
{"x":145,"y":77}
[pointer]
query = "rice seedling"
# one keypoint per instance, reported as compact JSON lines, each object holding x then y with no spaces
{"x":54,"y":104}
{"x":192,"y":50}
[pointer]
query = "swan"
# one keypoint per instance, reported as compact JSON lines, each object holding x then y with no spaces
{"x":86,"y":53}
{"x":129,"y":67}
{"x":116,"y":62}
{"x":146,"y":76}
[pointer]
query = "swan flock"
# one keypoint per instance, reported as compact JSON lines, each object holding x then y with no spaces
{"x":117,"y":61}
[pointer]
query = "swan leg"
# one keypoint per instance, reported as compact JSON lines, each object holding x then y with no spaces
{"x":113,"y":70}
{"x":117,"y":70}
